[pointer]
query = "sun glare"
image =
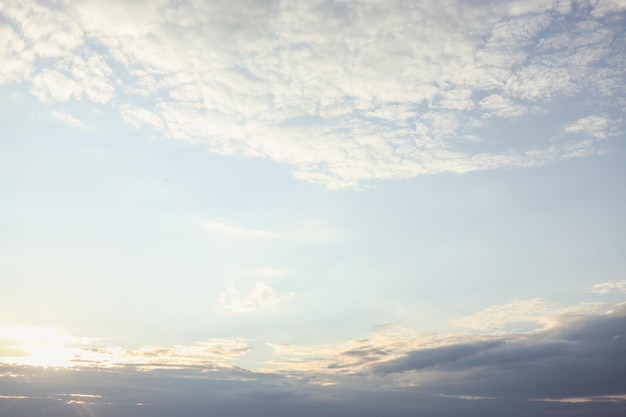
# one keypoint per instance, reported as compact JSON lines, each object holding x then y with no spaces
{"x":40,"y":346}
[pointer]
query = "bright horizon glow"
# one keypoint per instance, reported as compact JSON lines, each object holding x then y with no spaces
{"x":42,"y":346}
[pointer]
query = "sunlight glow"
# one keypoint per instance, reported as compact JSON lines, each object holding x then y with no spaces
{"x":42,"y":346}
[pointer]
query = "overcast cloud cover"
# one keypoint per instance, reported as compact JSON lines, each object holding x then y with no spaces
{"x":312,"y":207}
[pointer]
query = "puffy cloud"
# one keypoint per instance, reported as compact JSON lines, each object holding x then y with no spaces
{"x":609,"y":287}
{"x":345,"y":92}
{"x":52,"y":85}
{"x":75,"y":78}
{"x":594,"y":125}
{"x":262,"y":297}
{"x":604,"y":7}
{"x":49,"y":33}
{"x":497,"y":105}
{"x":16,"y":59}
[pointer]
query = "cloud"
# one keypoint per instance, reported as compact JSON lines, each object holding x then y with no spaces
{"x":269,"y":272}
{"x":600,"y":398}
{"x":575,"y":367}
{"x":137,"y":117}
{"x":261,"y":298}
{"x":609,"y":287}
{"x":211,"y":353}
{"x":351,"y":357}
{"x":66,"y":118}
{"x":604,"y":7}
{"x":467,"y":397}
{"x":75,"y":78}
{"x":17,"y":60}
{"x":596,"y":126}
{"x":344,"y":92}
{"x":49,"y":347}
{"x":580,"y":357}
{"x":523,"y":315}
{"x":52,"y":85}
{"x":497,"y":105}
{"x":238,"y":231}
{"x":40,"y":346}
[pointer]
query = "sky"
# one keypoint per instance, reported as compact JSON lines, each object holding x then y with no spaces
{"x":338,"y":207}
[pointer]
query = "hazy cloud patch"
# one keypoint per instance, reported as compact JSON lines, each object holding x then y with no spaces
{"x":66,"y":118}
{"x":609,"y":287}
{"x":261,"y":298}
{"x":237,"y":231}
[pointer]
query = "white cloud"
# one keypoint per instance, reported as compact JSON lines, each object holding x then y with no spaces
{"x":221,"y":352}
{"x":596,"y":126}
{"x":40,"y":346}
{"x":385,"y":344}
{"x":137,"y":117}
{"x":609,"y":287}
{"x":66,"y":118}
{"x":261,"y":298}
{"x":496,"y":105}
{"x":344,"y":92}
{"x":604,"y":7}
{"x":467,"y":397}
{"x":49,"y":33}
{"x":238,"y":231}
{"x":523,"y":315}
{"x":44,"y":346}
{"x":52,"y":85}
{"x":16,"y":59}
{"x":269,"y":272}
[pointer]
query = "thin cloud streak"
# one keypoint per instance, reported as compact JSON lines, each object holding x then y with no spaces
{"x":609,"y":287}
{"x":239,"y":232}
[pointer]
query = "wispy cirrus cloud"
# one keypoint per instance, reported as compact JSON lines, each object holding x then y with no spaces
{"x":269,"y":272}
{"x":237,"y":231}
{"x":577,"y":400}
{"x":344,"y":92}
{"x":67,"y":118}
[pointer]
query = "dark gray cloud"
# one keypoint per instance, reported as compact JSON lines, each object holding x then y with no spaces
{"x":538,"y":374}
{"x":582,"y":357}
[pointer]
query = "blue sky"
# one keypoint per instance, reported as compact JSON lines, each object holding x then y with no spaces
{"x":296,"y":205}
